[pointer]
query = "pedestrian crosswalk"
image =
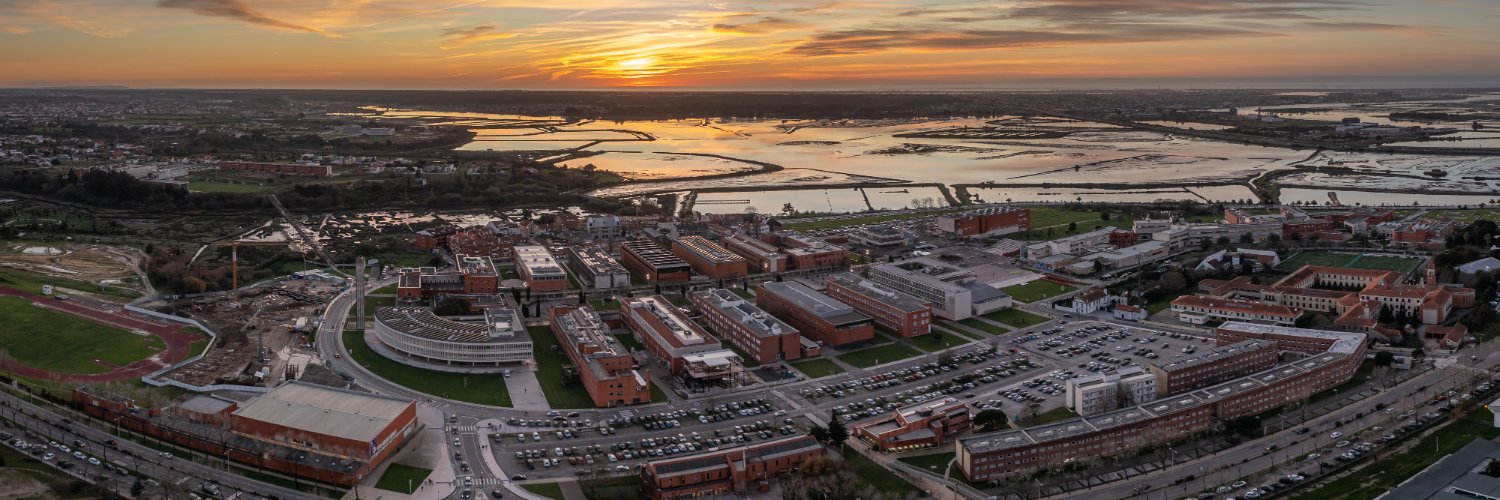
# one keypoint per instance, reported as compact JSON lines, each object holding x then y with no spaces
{"x":486,"y":481}
{"x":464,"y":428}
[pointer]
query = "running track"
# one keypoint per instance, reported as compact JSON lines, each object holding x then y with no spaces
{"x":177,"y":341}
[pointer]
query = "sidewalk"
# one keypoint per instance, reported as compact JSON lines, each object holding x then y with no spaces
{"x":428,"y":450}
{"x":494,"y":465}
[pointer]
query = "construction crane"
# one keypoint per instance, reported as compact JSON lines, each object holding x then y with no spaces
{"x":302,"y":234}
{"x":234,"y":261}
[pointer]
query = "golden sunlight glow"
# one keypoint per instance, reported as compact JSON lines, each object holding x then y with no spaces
{"x":729,"y":44}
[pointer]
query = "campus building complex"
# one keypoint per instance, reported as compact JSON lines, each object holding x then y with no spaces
{"x":539,"y":270}
{"x":1225,"y":362}
{"x":759,"y":335}
{"x":471,"y":275}
{"x":986,"y":221}
{"x":922,"y":425}
{"x":496,"y":337}
{"x":653,"y":264}
{"x":708,"y":258}
{"x":741,"y":470}
{"x":817,"y":316}
{"x":901,"y":313}
{"x":595,"y":269}
{"x":764,"y":257}
{"x":1354,"y":297}
{"x":605,"y":368}
{"x":678,"y":343}
{"x":952,"y":292}
{"x":1086,"y":440}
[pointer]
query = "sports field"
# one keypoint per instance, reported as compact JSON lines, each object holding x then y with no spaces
{"x":49,"y":340}
{"x":1358,"y":261}
{"x":1036,"y":290}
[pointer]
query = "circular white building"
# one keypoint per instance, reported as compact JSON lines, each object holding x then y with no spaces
{"x":498,"y":338}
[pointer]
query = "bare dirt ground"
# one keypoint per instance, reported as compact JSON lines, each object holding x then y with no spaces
{"x":264,"y":313}
{"x":18,"y":484}
{"x":117,"y":266}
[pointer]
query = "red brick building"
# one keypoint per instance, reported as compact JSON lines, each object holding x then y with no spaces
{"x":708,"y":258}
{"x":922,"y":425}
{"x":605,"y":368}
{"x":759,"y":335}
{"x":763,"y":257}
{"x":817,"y":316}
{"x":433,"y":238}
{"x":539,"y":269}
{"x":652,"y":263}
{"x":737,"y":471}
{"x":1225,"y":362}
{"x":473,"y":276}
{"x":903,"y":314}
{"x":678,"y":343}
{"x":991,"y":220}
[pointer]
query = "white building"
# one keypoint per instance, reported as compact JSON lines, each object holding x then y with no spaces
{"x":1107,"y":391}
{"x":603,"y":227}
{"x":953,"y":292}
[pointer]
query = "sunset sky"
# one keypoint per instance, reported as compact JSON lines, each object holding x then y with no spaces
{"x":876,"y":44}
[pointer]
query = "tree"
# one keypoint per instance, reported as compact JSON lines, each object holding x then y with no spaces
{"x":452,"y":306}
{"x":837,"y":433}
{"x":1384,"y":358}
{"x":1173,"y":281}
{"x":990,"y":419}
{"x":1223,"y":241}
{"x":1072,"y":226}
{"x":1103,"y":215}
{"x":137,"y":487}
{"x":819,"y":433}
{"x":1418,"y":353}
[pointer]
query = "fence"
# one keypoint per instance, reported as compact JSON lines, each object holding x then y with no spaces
{"x":151,"y":378}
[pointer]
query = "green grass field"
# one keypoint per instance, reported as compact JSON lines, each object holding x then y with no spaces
{"x":861,"y":220}
{"x":229,"y":187}
{"x":1358,"y":261}
{"x":936,"y":464}
{"x":865,"y":358}
{"x":486,"y":389}
{"x":49,"y":340}
{"x":1044,"y":217}
{"x":981,"y":326}
{"x":939,"y":340}
{"x":1054,"y":415}
{"x":1466,"y":216}
{"x":550,"y":362}
{"x":1015,"y":318}
{"x":1036,"y":290}
{"x":397,"y":477}
{"x":628,"y":340}
{"x":1374,"y":479}
{"x":883,"y":480}
{"x":32,"y":282}
{"x":549,"y":490}
{"x":817,"y":367}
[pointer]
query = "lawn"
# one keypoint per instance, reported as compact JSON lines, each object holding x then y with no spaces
{"x":550,"y":361}
{"x":1043,"y":217}
{"x":817,"y":367}
{"x":481,"y":389}
{"x":1359,"y":261}
{"x":628,"y":340}
{"x":385,"y":290}
{"x":982,"y":326}
{"x":939,"y":340}
{"x":397,"y":477}
{"x":549,"y":490}
{"x":619,"y":487}
{"x":1036,"y":290}
{"x":229,"y":187}
{"x":371,"y":303}
{"x":1375,"y":478}
{"x":862,"y":220}
{"x":49,"y":340}
{"x":865,"y":358}
{"x":1054,"y":415}
{"x":1466,"y":216}
{"x":1016,"y":318}
{"x":883,"y":480}
{"x":32,"y":282}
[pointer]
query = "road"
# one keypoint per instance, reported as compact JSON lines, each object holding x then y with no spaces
{"x":141,"y":459}
{"x":1251,"y":456}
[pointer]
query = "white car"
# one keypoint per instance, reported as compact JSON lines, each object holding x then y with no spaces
{"x":1335,"y":435}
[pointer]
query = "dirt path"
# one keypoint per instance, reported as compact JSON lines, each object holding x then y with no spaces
{"x":177,"y":341}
